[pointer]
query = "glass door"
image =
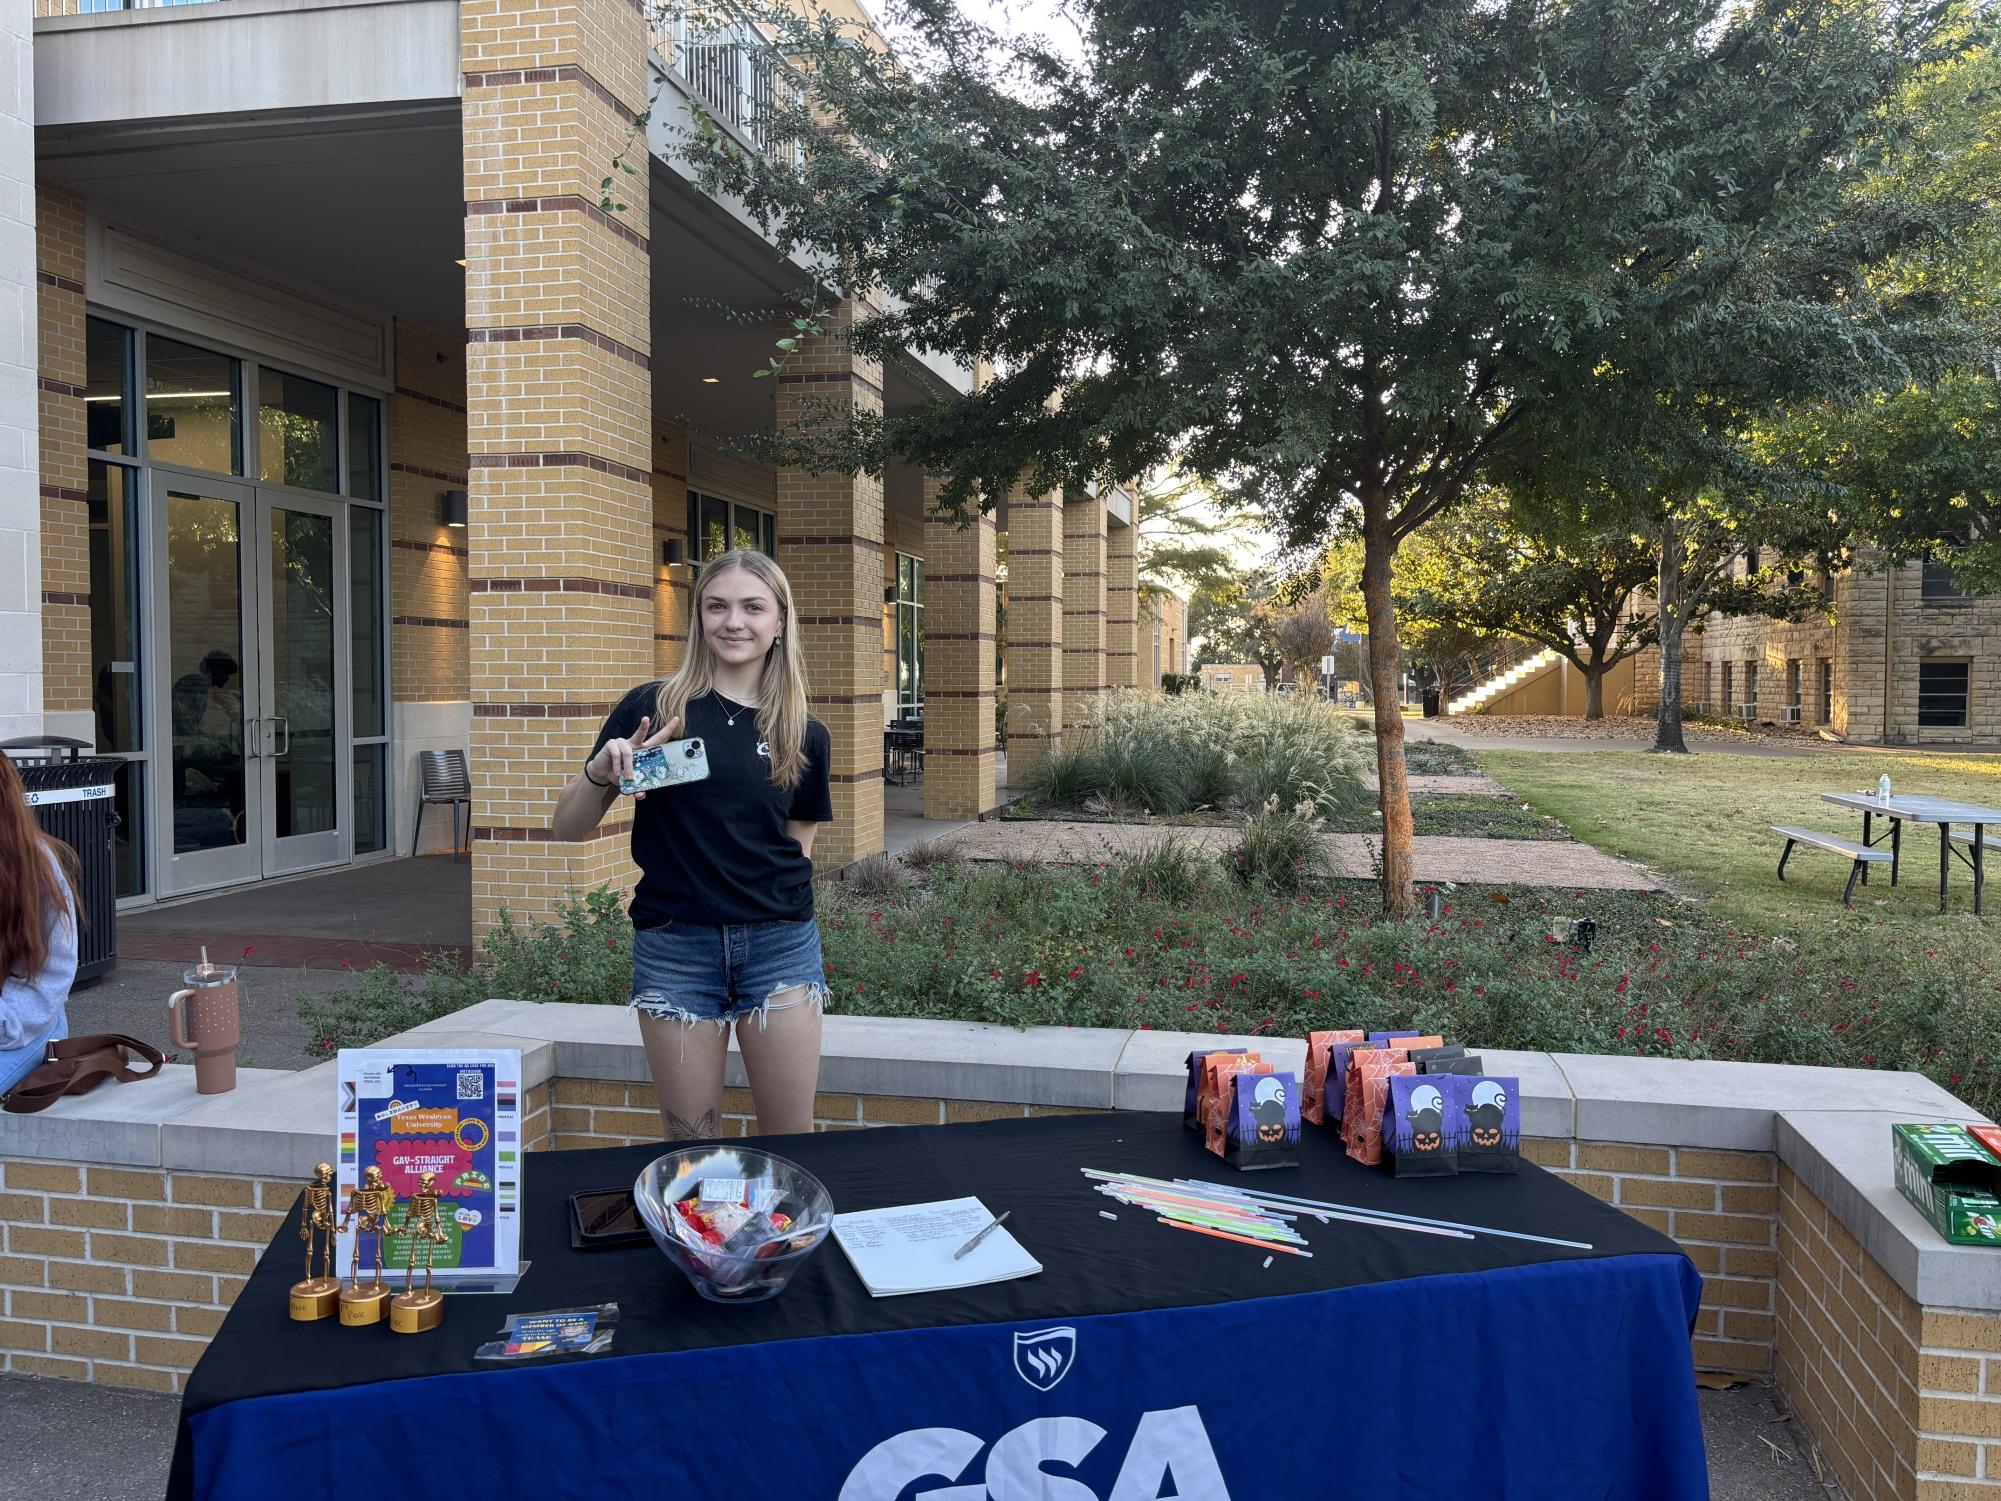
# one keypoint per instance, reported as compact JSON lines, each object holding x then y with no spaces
{"x":301,"y":564}
{"x":252,"y":589}
{"x":207,"y":716}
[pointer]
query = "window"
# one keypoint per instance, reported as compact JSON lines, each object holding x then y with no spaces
{"x":371,"y":719}
{"x":716,"y":525}
{"x":191,"y":407}
{"x":1793,"y":684}
{"x":1729,"y":696}
{"x":297,"y":420}
{"x":1938,"y":581}
{"x":364,"y":447}
{"x":1826,"y":691}
{"x":1942,"y":694}
{"x":107,"y":402}
{"x":1751,"y":686}
{"x":1751,"y":564}
{"x":909,"y":636}
{"x":114,"y":660}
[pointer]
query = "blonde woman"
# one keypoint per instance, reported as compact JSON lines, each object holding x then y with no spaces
{"x":723,"y":929}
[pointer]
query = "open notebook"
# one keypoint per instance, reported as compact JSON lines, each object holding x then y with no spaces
{"x":908,"y":1248}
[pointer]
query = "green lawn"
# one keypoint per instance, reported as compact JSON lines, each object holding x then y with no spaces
{"x":1704,"y":821}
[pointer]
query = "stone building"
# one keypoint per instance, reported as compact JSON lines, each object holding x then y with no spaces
{"x":362,"y":429}
{"x":1906,"y":658}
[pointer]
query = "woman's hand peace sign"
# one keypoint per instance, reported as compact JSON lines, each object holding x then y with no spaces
{"x":613,"y":762}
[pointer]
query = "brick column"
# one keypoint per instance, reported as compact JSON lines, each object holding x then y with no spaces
{"x":1085,"y":523}
{"x":65,"y":474}
{"x":559,"y":426}
{"x":1034,"y":630}
{"x":960,"y":757}
{"x":1122,"y":603}
{"x":830,"y":539}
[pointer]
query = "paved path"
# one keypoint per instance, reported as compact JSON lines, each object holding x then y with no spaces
{"x":1439,"y":857}
{"x":1430,"y":785}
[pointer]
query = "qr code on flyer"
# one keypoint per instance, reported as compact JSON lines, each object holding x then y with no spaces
{"x":472,"y":1084}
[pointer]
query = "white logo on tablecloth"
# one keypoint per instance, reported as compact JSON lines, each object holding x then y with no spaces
{"x":1043,"y":1357}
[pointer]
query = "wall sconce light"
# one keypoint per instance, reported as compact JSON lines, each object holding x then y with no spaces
{"x":889,"y":594}
{"x":673,"y":552}
{"x":454,"y":508}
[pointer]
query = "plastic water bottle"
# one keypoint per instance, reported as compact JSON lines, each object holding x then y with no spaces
{"x":1883,"y":787}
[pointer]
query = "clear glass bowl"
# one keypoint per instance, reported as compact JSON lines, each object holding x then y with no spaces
{"x":718,"y":1275}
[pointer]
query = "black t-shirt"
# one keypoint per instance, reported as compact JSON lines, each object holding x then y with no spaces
{"x":716,"y":851}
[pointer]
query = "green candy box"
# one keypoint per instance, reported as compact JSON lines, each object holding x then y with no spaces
{"x":1952,"y":1180}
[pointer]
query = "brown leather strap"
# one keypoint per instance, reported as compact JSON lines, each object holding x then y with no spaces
{"x":77,"y":1065}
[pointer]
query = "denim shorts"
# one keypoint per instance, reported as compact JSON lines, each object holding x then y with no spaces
{"x":694,"y":972}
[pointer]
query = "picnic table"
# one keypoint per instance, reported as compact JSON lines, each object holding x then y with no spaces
{"x":1944,"y":812}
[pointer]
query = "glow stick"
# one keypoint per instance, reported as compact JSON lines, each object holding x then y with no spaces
{"x":1262,"y":1245}
{"x":1315,"y":1206}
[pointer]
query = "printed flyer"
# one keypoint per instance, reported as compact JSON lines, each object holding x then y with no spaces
{"x":453,"y":1114}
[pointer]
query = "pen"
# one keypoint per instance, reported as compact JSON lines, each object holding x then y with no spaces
{"x":982,"y":1235}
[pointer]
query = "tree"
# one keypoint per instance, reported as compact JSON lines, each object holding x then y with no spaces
{"x":1232,"y":620}
{"x":1187,"y":540}
{"x":1918,"y":468}
{"x":1305,"y":635}
{"x":1478,"y":571}
{"x":1339,"y":259}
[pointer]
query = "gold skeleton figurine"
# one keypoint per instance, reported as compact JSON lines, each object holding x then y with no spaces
{"x":313,"y":1298}
{"x":411,"y":1311}
{"x":368,"y":1209}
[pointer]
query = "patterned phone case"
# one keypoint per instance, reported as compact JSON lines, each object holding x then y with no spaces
{"x":667,"y":766}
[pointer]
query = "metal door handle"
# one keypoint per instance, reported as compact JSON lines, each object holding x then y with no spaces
{"x":286,"y":748}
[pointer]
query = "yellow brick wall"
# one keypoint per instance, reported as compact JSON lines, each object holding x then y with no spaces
{"x":1122,"y":603}
{"x":427,"y":456}
{"x":831,"y":529}
{"x":121,"y":1275}
{"x":1034,"y":630}
{"x":1085,"y":523}
{"x":1904,"y":1400}
{"x":562,"y":562}
{"x":960,"y":757}
{"x":1720,"y":1207}
{"x":599,"y":1113}
{"x":65,"y":604}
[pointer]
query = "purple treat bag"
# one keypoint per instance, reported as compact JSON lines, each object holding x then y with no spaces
{"x":1486,"y":1114}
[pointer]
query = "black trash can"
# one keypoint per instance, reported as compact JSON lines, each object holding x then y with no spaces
{"x":73,"y":798}
{"x":1433,"y":703}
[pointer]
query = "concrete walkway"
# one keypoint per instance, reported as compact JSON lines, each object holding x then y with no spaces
{"x":1439,"y":857}
{"x":70,"y":1441}
{"x":1433,"y":785}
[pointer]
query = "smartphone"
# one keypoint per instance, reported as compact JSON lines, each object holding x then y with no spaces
{"x":605,"y":1217}
{"x":667,"y":766}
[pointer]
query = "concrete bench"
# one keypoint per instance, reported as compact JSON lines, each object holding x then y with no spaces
{"x":1861,"y":854}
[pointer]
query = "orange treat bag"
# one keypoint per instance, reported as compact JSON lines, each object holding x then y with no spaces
{"x":1217,"y":1093}
{"x":1319,"y":1052}
{"x":1369,"y":1073}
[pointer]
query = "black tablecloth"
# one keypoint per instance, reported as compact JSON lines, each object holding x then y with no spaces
{"x":1093,"y":1266}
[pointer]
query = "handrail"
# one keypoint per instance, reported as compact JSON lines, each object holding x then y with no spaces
{"x":725,"y":62}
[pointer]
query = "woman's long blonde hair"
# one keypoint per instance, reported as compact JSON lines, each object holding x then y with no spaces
{"x":781,"y":690}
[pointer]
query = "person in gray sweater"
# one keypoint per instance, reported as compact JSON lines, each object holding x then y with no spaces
{"x":37,"y":934}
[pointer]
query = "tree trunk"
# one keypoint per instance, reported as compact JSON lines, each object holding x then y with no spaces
{"x":1667,"y":713}
{"x":1399,"y":895}
{"x":1594,"y":691}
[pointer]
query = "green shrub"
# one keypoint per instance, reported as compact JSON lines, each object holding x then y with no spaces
{"x":1282,"y":848}
{"x":584,"y":956}
{"x":1166,"y":870}
{"x":1143,"y":776}
{"x":1070,"y":775}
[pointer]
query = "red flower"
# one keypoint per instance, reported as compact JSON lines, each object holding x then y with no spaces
{"x":1032,"y":978}
{"x":1075,"y":970}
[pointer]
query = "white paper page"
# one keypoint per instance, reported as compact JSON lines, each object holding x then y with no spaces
{"x":908,"y":1248}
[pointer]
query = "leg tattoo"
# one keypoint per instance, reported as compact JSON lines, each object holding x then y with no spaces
{"x":702,"y":1128}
